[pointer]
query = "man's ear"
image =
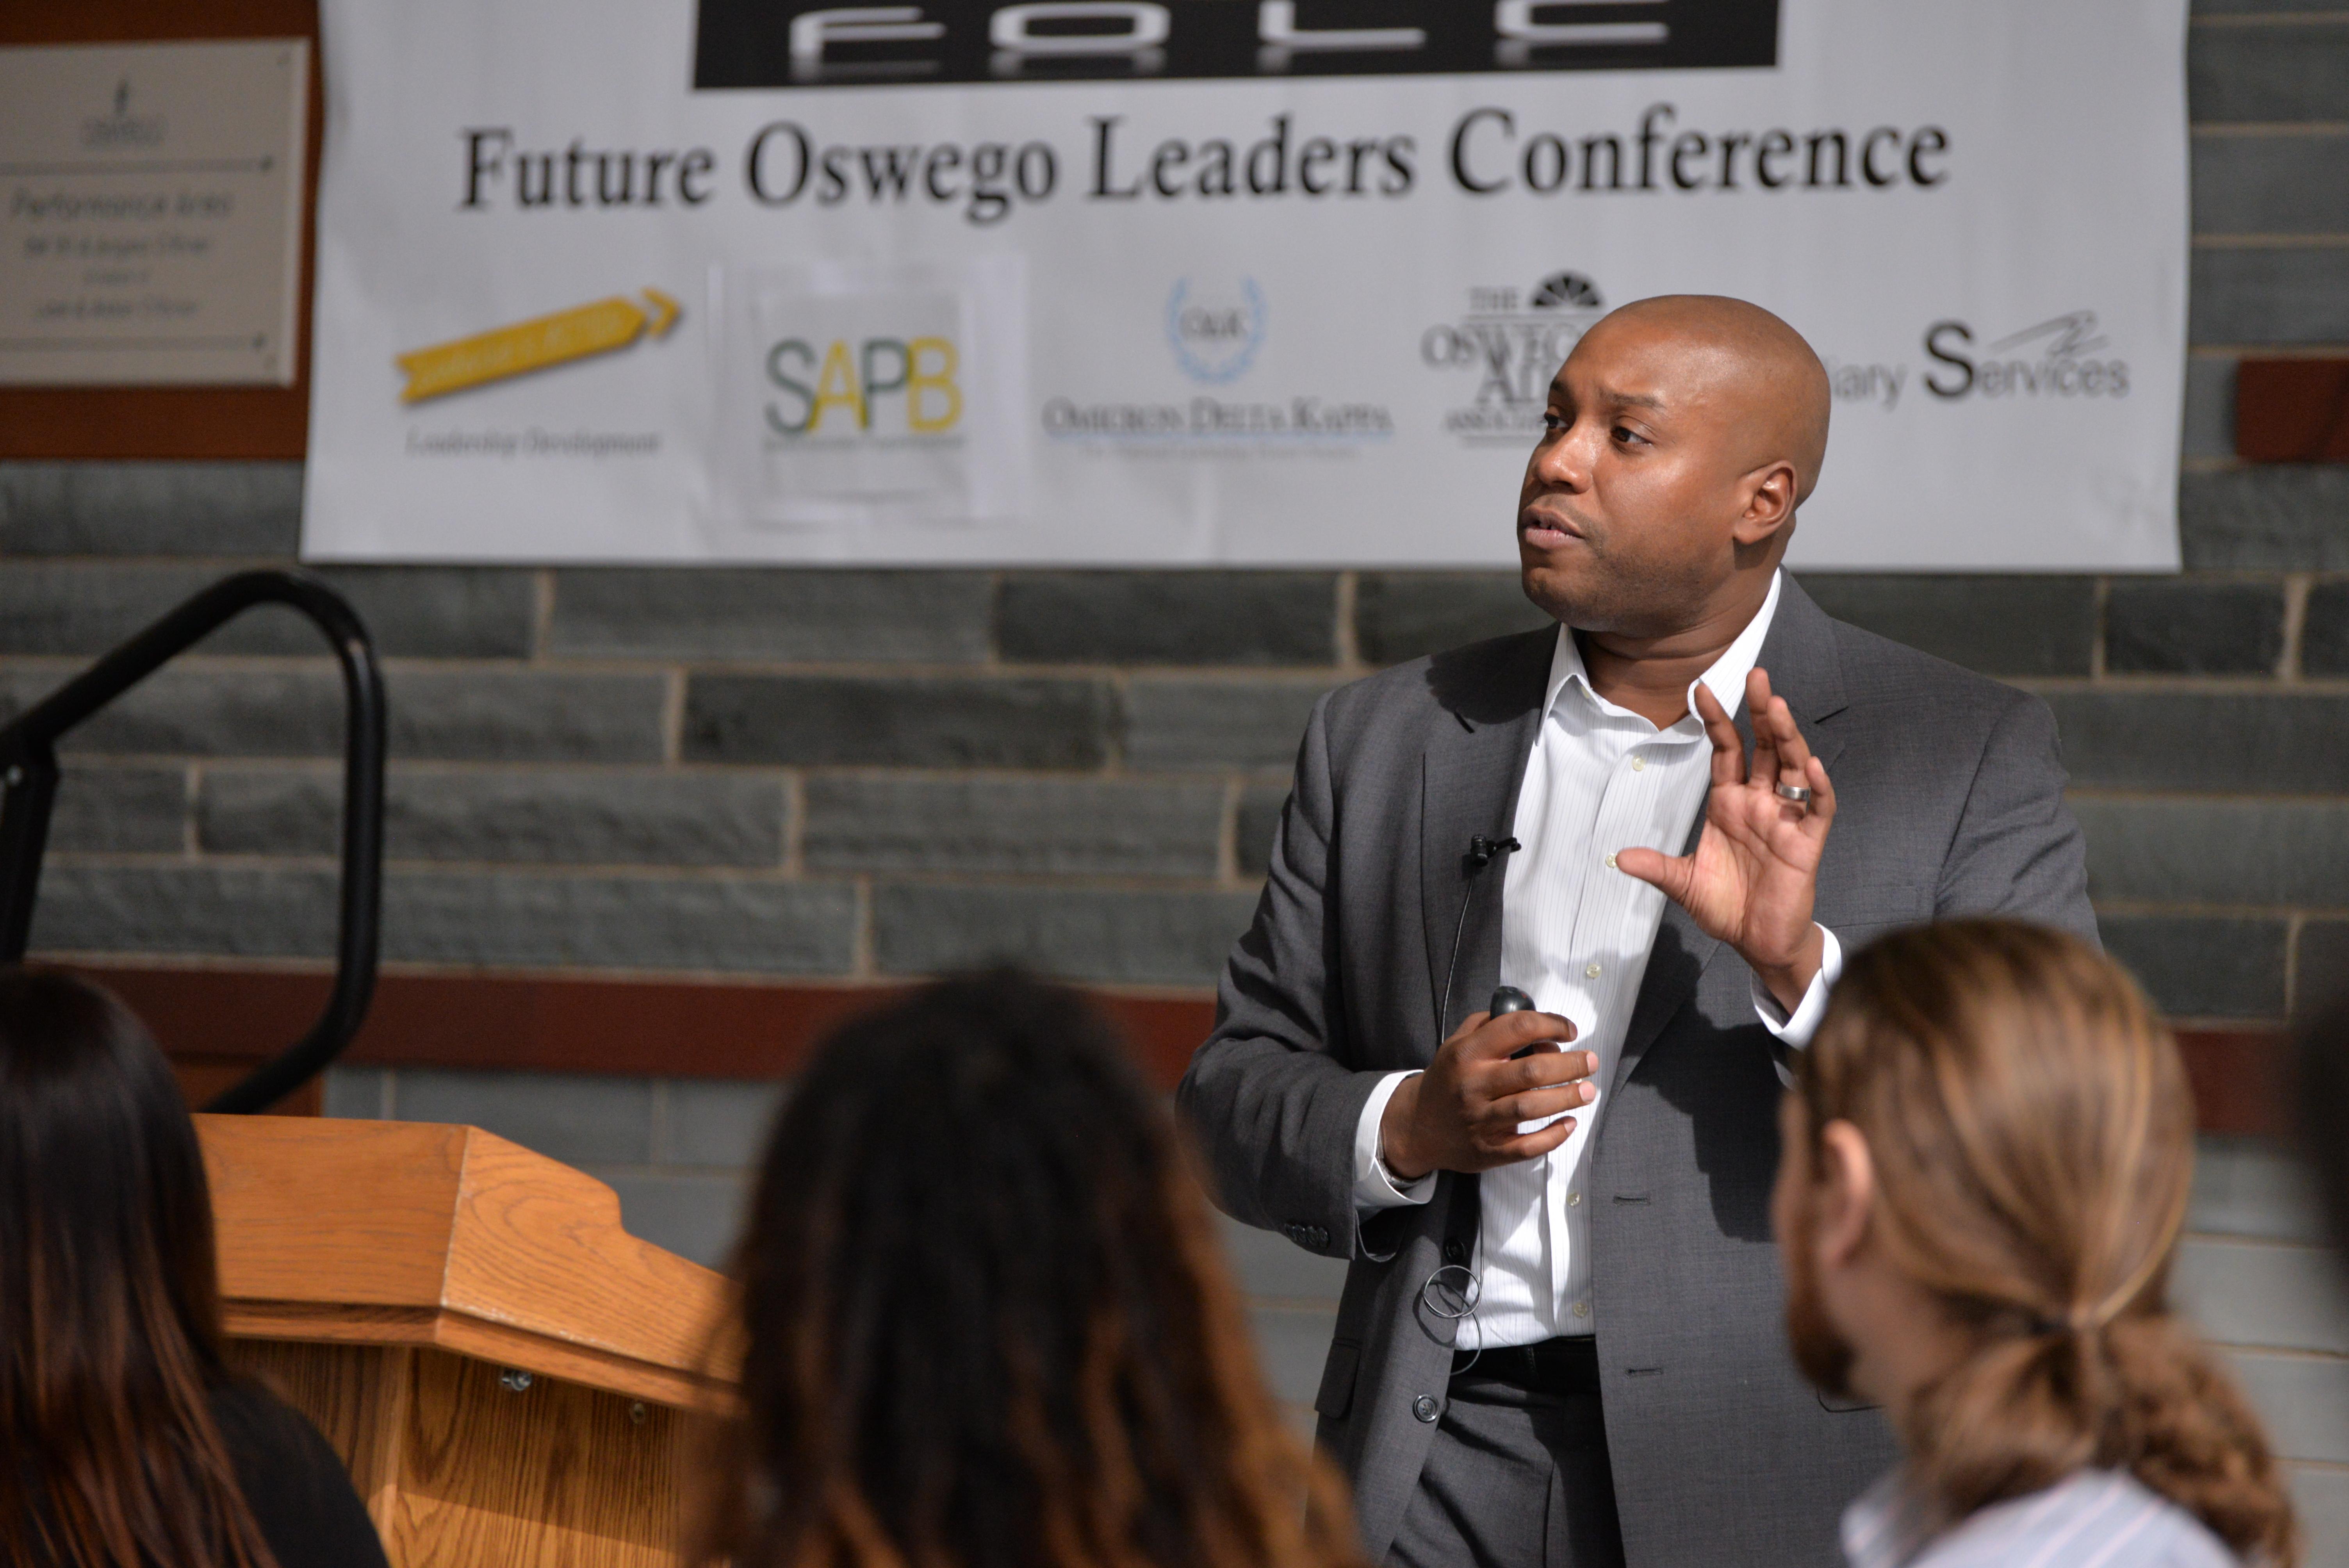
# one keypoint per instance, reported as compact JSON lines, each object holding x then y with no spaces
{"x":1769,"y":504}
{"x":1845,"y":1191}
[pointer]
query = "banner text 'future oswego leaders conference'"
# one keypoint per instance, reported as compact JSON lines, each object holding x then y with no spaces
{"x":1489,"y":151}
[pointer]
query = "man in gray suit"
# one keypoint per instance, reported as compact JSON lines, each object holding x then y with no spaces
{"x":1560,"y":1339}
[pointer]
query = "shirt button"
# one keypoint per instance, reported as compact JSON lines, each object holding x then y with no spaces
{"x":1610,"y":862}
{"x":1592,"y":970}
{"x":1638,"y":764}
{"x":1574,"y":1199}
{"x":1425,"y":1407}
{"x":1581,"y":1309}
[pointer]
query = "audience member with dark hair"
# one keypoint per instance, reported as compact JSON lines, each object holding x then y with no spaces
{"x":2322,"y":1071}
{"x":1985,"y":1167}
{"x":126,"y":1441}
{"x":986,"y":1326}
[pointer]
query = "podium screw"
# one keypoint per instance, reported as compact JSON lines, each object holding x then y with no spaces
{"x":636,"y":1412}
{"x":515,"y":1381}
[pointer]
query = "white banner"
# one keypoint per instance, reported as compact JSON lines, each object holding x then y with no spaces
{"x":1212,"y":281}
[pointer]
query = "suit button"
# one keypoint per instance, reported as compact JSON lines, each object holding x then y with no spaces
{"x":1455,"y":1251}
{"x":1425,"y":1408}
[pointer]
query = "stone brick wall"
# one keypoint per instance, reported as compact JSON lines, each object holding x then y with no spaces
{"x":859,"y":775}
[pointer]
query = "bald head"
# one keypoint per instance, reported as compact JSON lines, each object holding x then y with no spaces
{"x":1758,"y":372}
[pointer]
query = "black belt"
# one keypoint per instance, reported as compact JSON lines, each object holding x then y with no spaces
{"x":1565,"y":1366}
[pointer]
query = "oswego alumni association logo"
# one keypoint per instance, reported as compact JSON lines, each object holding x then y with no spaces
{"x":1511,"y":340}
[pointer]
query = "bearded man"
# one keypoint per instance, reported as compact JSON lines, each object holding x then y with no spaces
{"x":1558,"y":1342}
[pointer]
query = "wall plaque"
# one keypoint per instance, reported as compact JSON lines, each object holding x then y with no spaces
{"x":150,"y":213}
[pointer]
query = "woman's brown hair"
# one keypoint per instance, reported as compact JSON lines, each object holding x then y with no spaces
{"x":110,"y":1308}
{"x":2033,"y":1134}
{"x":985,"y":1321}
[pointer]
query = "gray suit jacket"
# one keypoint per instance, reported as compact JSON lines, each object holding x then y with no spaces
{"x":1949,"y":800}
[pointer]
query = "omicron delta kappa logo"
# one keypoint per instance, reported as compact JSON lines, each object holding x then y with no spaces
{"x":1215,"y":327}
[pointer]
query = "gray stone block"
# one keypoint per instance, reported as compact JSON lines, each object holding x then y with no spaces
{"x":898,"y":721}
{"x":2251,"y":8}
{"x":677,"y":924}
{"x":1050,"y":826}
{"x":86,"y":608}
{"x":2325,"y":635}
{"x":2246,"y":850}
{"x":539,"y":817}
{"x":720,"y":1122}
{"x":695,"y":1216}
{"x":580,"y":1119}
{"x":1180,"y":722}
{"x":1291,"y":1343}
{"x":1169,"y":617}
{"x":2280,"y":72}
{"x":1081,"y":933}
{"x":2221,"y":742}
{"x":230,"y":912}
{"x":2202,"y":967}
{"x":2295,"y":184}
{"x":2248,"y":295}
{"x":2303,"y":1399}
{"x":525,"y":715}
{"x":2209,"y":406}
{"x":2263,"y":1293}
{"x":362,"y":1094}
{"x":2167,"y":627}
{"x":797,"y":615}
{"x":2320,"y":971}
{"x":1401,"y":615}
{"x":2252,"y":1187}
{"x":2276,"y":517}
{"x":1260,"y":808}
{"x":150,"y":509}
{"x":121,"y":810}
{"x":297,"y":710}
{"x":1997,"y":625}
{"x":2320,"y":1498}
{"x":1272,"y":1269}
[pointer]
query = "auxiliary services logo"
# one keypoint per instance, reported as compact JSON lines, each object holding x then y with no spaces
{"x":1510,"y":341}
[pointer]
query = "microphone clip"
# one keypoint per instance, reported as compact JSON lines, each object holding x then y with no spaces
{"x":1481,"y":849}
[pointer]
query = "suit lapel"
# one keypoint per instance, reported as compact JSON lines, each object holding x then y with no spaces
{"x":1470,"y":775}
{"x":1807,"y":669}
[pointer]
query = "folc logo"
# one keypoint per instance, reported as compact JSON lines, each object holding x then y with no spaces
{"x":894,"y":386}
{"x":1215,"y":329}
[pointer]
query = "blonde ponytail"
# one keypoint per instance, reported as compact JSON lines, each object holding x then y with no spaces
{"x":2032,"y":1131}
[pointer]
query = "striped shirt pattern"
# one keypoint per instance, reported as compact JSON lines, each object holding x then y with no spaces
{"x":2094,"y":1519}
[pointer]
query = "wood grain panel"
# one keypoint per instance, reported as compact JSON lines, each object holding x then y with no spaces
{"x":356,"y":1395}
{"x":552,"y":1474}
{"x":419,"y":1234}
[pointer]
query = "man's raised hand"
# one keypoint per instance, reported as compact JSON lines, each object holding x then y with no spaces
{"x":1756,"y":871}
{"x":1463,"y":1113}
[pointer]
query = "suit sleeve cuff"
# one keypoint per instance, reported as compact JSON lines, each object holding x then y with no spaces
{"x":1796,"y":1029}
{"x":1375,"y":1187}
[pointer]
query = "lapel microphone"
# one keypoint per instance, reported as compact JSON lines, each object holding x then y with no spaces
{"x":1482,"y":852}
{"x":1481,"y":849}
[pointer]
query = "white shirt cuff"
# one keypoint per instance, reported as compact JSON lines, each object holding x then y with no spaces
{"x":1375,"y":1187}
{"x":1797,"y":1027}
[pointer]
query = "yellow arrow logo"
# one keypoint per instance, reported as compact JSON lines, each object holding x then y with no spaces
{"x":533,"y":345}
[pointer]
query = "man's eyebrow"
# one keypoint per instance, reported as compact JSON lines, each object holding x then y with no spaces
{"x":1636,"y":399}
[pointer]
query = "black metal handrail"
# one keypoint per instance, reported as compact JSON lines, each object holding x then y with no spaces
{"x":28,"y":768}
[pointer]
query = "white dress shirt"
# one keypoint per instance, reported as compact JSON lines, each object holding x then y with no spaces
{"x":1574,"y":936}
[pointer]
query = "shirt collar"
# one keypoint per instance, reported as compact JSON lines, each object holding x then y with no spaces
{"x":1725,"y":679}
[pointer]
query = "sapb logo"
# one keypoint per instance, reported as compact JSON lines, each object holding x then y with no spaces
{"x":1215,"y":329}
{"x":846,"y":388}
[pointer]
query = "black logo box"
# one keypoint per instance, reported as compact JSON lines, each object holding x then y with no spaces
{"x":748,"y":43}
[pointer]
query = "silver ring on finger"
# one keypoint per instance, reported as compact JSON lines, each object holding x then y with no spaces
{"x":1799,"y":794}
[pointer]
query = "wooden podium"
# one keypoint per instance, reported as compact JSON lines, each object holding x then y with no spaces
{"x":500,"y":1363}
